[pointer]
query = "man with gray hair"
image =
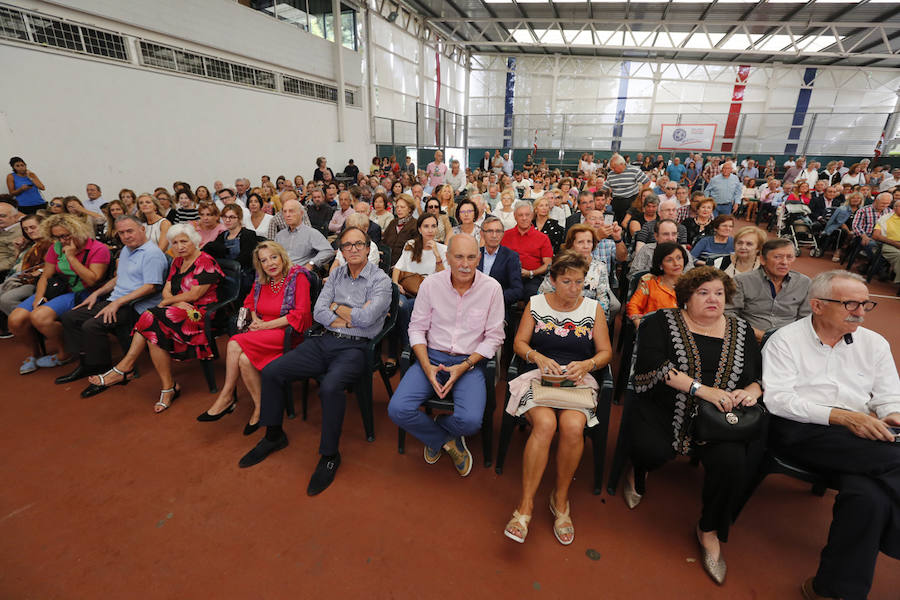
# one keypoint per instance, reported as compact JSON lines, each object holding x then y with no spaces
{"x":305,"y":246}
{"x":725,"y":188}
{"x":625,"y":182}
{"x":456,"y":178}
{"x":241,"y":189}
{"x":668,"y":209}
{"x":825,"y":376}
{"x":533,"y":247}
{"x":140,"y":274}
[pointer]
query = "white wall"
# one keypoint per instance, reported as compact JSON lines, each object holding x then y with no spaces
{"x":222,"y":25}
{"x":81,"y":120}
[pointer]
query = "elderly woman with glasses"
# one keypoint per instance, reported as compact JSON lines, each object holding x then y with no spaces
{"x":74,"y":265}
{"x":236,"y":243}
{"x":174,"y":328}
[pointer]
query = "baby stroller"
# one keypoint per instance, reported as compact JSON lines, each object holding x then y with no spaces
{"x":794,"y":224}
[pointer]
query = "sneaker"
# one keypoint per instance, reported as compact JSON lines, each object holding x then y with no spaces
{"x":52,"y":360}
{"x":28,"y":366}
{"x":432,"y":455}
{"x":462,"y":458}
{"x":5,"y":335}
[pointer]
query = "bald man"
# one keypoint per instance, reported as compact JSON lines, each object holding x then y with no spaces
{"x":457,"y":322}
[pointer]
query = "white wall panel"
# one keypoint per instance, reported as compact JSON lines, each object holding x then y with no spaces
{"x":82,"y":120}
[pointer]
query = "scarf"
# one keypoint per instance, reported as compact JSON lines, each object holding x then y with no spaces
{"x":290,"y":288}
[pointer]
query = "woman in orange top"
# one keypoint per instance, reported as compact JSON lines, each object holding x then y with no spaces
{"x":657,"y":289}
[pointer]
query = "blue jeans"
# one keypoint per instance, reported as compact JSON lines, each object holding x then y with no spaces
{"x":724,"y":209}
{"x":468,"y":393}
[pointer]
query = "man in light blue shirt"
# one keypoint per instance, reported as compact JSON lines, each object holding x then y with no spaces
{"x":676,"y":170}
{"x":725,"y":189}
{"x":140,"y":274}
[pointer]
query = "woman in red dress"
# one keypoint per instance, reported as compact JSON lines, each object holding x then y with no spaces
{"x":279,"y":298}
{"x":174,"y":328}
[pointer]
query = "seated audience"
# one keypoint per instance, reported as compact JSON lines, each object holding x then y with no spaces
{"x":114,"y":210}
{"x":155,"y":225}
{"x":457,"y":322}
{"x":114,"y":306}
{"x":10,"y":232}
{"x":73,"y":267}
{"x":581,"y":239}
{"x":748,"y":242}
{"x":445,"y":228}
{"x":304,"y":245}
{"x":466,"y":214}
{"x":21,"y":278}
{"x":351,"y":315}
{"x":832,"y":388}
{"x":74,"y":206}
{"x":380,"y":213}
{"x":403,"y":228}
{"x":533,"y":247}
{"x":865,"y":219}
{"x":842,"y":220}
{"x":665,"y":232}
{"x":345,"y":209}
{"x":720,"y":242}
{"x":174,"y":327}
{"x":668,"y":209}
{"x":505,"y":212}
{"x":721,"y":365}
{"x":563,"y":333}
{"x":279,"y":299}
{"x":236,"y":242}
{"x":500,"y":262}
{"x":773,"y":295}
{"x":186,"y":206}
{"x":373,"y":228}
{"x":642,"y":211}
{"x":656,"y":289}
{"x":361,"y":221}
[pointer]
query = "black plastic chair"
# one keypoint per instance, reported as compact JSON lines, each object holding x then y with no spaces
{"x":363,"y":387}
{"x":446,"y":404}
{"x":217,"y":317}
{"x":384,"y":260}
{"x":315,"y":288}
{"x":626,"y":338}
{"x":598,"y":433}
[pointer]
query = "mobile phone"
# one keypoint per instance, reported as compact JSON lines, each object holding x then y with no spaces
{"x":896,"y":432}
{"x":608,"y":219}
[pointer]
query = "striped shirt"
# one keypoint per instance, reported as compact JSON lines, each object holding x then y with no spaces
{"x":865,"y":218}
{"x":627,"y":183}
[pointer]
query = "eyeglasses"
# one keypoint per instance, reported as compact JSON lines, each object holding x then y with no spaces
{"x":358,"y":245}
{"x":63,"y":237}
{"x":229,"y":217}
{"x":852,"y":305}
{"x":492,"y":231}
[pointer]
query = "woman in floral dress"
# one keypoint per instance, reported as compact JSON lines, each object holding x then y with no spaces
{"x":174,"y":328}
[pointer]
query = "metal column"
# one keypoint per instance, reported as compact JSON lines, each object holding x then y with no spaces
{"x":339,"y":66}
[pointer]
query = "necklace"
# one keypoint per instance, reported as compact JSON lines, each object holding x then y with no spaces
{"x":702,"y":330}
{"x":276,"y":287}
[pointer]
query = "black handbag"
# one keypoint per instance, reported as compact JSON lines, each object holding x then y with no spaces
{"x":57,"y":285}
{"x":741,"y":424}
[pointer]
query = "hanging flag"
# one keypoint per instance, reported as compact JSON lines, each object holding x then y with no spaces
{"x":879,"y":146}
{"x":535,"y":143}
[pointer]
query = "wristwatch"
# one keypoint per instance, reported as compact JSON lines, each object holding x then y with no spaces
{"x":469,"y":362}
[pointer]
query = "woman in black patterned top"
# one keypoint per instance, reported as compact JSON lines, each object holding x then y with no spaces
{"x":686,"y":356}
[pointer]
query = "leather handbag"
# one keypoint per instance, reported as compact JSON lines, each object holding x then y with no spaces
{"x":57,"y":285}
{"x":244,"y":318}
{"x":564,"y":397}
{"x":741,"y":424}
{"x":411,"y":282}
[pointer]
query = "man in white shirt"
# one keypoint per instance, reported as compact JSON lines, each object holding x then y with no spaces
{"x":810,"y":174}
{"x":823,"y":377}
{"x":522,"y":184}
{"x":95,"y":201}
{"x":890,"y":181}
{"x":789,"y":163}
{"x":507,"y":164}
{"x":842,"y":169}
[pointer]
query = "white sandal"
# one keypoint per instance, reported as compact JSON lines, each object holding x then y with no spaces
{"x":174,"y":390}
{"x":561,"y":517}
{"x":520,"y":521}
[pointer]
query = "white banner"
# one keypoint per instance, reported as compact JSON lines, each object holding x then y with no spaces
{"x":687,"y":137}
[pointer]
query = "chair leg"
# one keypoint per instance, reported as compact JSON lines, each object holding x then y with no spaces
{"x":364,"y":399}
{"x":598,"y":440}
{"x":289,"y":402}
{"x":487,"y":430}
{"x":401,"y":441}
{"x":623,"y":450}
{"x":210,"y":374}
{"x":506,"y":431}
{"x":305,"y":396}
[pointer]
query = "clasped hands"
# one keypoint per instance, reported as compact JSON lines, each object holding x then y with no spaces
{"x":727,"y":401}
{"x":456,"y":371}
{"x":573,"y":371}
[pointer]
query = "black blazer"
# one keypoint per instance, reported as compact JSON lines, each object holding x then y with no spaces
{"x":507,"y":270}
{"x":574,"y":219}
{"x":248,"y":241}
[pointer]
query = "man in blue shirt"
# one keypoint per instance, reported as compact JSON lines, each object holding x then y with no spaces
{"x":140,"y":274}
{"x":676,"y":170}
{"x":352,"y":307}
{"x":725,"y":189}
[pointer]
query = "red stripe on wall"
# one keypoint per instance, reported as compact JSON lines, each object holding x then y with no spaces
{"x":734,"y":113}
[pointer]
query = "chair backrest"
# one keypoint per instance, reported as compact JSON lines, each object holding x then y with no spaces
{"x":229,"y":288}
{"x":633,"y":283}
{"x":315,"y":287}
{"x":384,"y":262}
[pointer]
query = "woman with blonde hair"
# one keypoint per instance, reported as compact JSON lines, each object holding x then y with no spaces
{"x":74,"y":265}
{"x":279,"y":299}
{"x":748,"y":243}
{"x":150,"y":212}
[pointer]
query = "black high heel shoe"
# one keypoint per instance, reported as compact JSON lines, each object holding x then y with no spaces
{"x":206,"y":417}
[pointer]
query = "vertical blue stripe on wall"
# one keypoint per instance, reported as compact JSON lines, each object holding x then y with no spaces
{"x":508,"y":104}
{"x":809,"y":78}
{"x":620,"y":107}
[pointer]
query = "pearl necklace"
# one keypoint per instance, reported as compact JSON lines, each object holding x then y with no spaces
{"x":276,"y":287}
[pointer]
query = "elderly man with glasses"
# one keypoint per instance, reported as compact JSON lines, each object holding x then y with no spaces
{"x":500,"y":262}
{"x":833,"y":389}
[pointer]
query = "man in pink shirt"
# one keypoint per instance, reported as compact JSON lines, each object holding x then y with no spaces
{"x":457,"y":322}
{"x":436,"y":170}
